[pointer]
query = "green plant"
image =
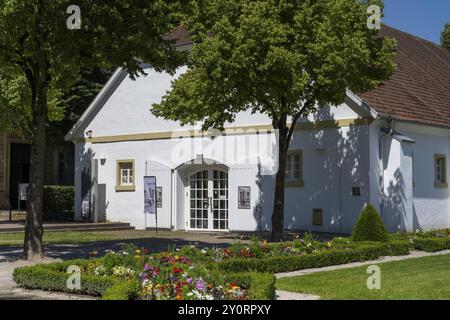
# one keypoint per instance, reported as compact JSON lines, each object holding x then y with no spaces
{"x":370,"y":227}
{"x":58,"y":203}
{"x":125,"y":290}
{"x":363,"y":252}
{"x":51,"y":278}
{"x":431,"y":244}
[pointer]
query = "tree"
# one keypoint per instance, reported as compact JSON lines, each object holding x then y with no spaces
{"x":42,"y":43}
{"x":75,"y":101}
{"x":445,"y":37}
{"x":282,"y":58}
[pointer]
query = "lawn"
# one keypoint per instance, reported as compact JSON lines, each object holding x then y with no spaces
{"x":75,"y":237}
{"x":421,"y":278}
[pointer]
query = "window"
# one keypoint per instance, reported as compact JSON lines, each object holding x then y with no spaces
{"x":317,"y":217}
{"x":294,"y":169}
{"x":440,"y":171}
{"x":125,"y":175}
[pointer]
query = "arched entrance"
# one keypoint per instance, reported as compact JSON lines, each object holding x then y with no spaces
{"x":207,"y":203}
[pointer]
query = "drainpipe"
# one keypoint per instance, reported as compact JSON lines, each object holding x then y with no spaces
{"x":388,"y":132}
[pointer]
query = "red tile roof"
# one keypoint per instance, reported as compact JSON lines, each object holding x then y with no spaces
{"x":419,"y":90}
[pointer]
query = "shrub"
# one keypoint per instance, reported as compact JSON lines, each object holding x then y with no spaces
{"x":364,"y":252}
{"x":370,"y":227}
{"x":262,"y":285}
{"x":431,"y":244}
{"x":124,"y":290}
{"x":58,"y":203}
{"x":45,"y":278}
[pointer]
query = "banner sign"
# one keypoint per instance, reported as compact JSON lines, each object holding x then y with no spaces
{"x":23,"y":191}
{"x":150,"y":195}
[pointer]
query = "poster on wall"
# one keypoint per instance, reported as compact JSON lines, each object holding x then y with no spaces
{"x":159,"y":197}
{"x":150,"y":195}
{"x":244,"y":197}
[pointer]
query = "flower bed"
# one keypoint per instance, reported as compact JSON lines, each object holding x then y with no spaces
{"x":131,"y":274}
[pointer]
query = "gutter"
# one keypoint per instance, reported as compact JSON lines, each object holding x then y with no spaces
{"x":101,"y":98}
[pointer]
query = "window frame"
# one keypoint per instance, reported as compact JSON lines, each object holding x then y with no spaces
{"x":119,"y":185}
{"x":295,"y":182}
{"x":444,"y":182}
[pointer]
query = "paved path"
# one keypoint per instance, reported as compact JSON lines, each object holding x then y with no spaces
{"x":154,"y":244}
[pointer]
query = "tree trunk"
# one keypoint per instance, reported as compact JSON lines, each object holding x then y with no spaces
{"x":278,"y":205}
{"x":38,"y":81}
{"x":33,"y":248}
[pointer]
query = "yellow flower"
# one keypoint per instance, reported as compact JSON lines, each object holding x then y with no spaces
{"x":137,"y":251}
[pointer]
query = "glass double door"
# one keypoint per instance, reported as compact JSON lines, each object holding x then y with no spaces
{"x":208,"y":200}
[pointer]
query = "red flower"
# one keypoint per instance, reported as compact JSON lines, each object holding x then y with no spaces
{"x":145,"y":251}
{"x":177,"y":270}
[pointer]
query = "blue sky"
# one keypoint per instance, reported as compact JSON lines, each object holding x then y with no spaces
{"x":423,"y":18}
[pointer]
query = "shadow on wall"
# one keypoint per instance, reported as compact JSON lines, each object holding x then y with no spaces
{"x":332,"y":164}
{"x":83,"y":168}
{"x":393,"y":207}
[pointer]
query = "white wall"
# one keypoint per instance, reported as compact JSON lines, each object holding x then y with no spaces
{"x":329,"y":175}
{"x":410,"y":199}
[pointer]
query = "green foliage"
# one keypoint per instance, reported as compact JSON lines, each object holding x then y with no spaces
{"x":47,"y":278}
{"x":275,"y":57}
{"x":363,"y":252}
{"x":369,"y":226}
{"x":431,"y":244}
{"x":58,"y":203}
{"x":262,"y":285}
{"x":445,"y":37}
{"x":124,"y":290}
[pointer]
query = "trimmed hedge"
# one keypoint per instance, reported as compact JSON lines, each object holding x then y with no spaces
{"x":58,"y":203}
{"x":431,"y":244}
{"x":364,"y":252}
{"x":124,"y":290}
{"x":262,"y":285}
{"x":43,"y":278}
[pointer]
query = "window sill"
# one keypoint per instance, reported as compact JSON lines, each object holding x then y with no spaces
{"x":441,"y":185}
{"x":294,"y":184}
{"x":125,"y":188}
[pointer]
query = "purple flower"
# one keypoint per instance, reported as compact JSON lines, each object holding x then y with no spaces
{"x":200,"y":284}
{"x":147,"y":267}
{"x":143,"y":275}
{"x":189,"y":280}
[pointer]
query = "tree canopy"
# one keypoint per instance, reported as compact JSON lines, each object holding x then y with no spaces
{"x":282,"y":58}
{"x":445,"y":37}
{"x":42,"y":57}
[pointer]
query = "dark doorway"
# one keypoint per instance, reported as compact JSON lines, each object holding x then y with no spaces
{"x":19,"y":171}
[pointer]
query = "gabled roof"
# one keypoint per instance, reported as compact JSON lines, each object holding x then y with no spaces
{"x":419,"y":90}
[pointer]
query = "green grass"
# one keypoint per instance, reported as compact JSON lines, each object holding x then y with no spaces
{"x":75,"y":237}
{"x":421,"y":278}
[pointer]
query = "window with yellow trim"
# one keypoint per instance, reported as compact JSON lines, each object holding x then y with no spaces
{"x":294,"y":168}
{"x":125,"y":175}
{"x":440,"y":171}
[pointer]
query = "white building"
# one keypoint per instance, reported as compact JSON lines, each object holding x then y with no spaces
{"x":389,"y":147}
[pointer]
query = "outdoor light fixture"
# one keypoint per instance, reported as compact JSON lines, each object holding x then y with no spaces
{"x":89,"y":134}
